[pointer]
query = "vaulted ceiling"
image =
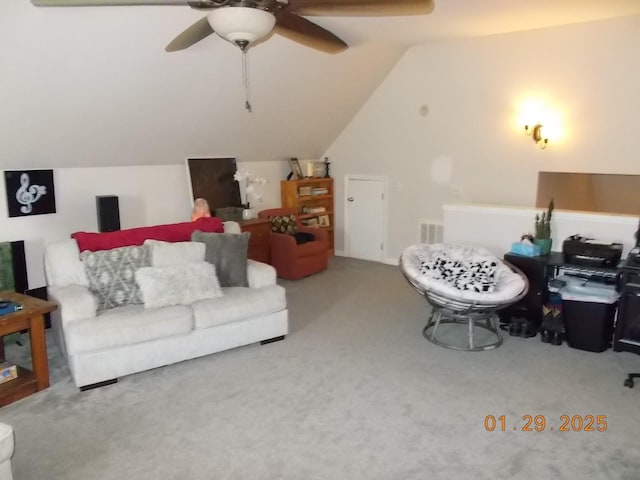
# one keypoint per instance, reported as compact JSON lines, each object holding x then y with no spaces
{"x":93,"y":86}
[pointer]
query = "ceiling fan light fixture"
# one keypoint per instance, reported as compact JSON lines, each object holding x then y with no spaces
{"x":241,"y":25}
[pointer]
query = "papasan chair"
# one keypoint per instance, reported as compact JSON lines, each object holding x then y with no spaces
{"x":465,"y":286}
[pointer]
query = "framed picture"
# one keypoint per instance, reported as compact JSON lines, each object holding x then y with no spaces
{"x":30,"y":192}
{"x":319,"y":169}
{"x":323,"y":221}
{"x":295,"y":168}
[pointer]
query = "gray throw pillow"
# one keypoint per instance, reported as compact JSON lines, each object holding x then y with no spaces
{"x":111,"y":275}
{"x":228,"y":252}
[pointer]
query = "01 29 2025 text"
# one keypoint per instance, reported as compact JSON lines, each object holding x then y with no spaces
{"x":542,"y":423}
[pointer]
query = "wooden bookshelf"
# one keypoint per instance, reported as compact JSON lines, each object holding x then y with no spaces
{"x":299,"y":194}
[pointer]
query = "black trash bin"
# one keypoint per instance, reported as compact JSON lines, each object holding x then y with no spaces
{"x":589,"y":312}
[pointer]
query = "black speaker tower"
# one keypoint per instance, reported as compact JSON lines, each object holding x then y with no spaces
{"x":108,"y":213}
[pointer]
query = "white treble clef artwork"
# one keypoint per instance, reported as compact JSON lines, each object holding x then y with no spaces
{"x":27,"y":194}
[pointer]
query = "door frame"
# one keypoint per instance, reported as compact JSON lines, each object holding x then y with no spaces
{"x":384,"y":217}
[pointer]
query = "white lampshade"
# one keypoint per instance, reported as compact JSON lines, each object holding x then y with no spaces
{"x":241,"y":23}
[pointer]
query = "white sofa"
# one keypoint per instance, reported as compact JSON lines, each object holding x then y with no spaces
{"x":101,"y":346}
{"x":6,"y":451}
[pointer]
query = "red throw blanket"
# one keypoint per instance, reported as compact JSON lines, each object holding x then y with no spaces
{"x":174,"y":232}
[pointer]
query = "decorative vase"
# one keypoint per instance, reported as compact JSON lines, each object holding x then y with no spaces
{"x":247,"y":214}
{"x":544,"y":244}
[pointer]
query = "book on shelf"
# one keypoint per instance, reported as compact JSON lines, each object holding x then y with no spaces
{"x":319,"y":191}
{"x":310,"y":222}
{"x":302,"y":191}
{"x":7,"y":306}
{"x":8,"y":371}
{"x":310,"y":210}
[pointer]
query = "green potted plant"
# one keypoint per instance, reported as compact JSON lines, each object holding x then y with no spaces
{"x":543,"y":230}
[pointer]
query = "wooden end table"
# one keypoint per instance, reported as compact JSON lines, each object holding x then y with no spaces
{"x":30,"y":318}
{"x":260,"y":240}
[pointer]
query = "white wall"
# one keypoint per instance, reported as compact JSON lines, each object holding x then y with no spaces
{"x":94,"y":87}
{"x":469,"y":146}
{"x":148,"y":195}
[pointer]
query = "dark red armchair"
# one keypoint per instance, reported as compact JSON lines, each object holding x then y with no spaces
{"x":291,"y":260}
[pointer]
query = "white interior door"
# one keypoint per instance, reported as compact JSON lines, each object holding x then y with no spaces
{"x":365,"y":214}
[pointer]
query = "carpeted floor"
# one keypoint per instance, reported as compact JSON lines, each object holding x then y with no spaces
{"x":354,"y":392}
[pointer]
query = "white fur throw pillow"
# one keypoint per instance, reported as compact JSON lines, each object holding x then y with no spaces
{"x":177,"y":284}
{"x":174,"y":253}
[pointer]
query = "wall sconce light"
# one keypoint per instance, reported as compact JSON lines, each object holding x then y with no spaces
{"x":536,"y":134}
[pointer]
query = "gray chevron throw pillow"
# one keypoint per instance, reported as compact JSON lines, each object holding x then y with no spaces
{"x":111,"y":274}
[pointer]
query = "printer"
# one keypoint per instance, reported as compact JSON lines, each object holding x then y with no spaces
{"x":588,"y":252}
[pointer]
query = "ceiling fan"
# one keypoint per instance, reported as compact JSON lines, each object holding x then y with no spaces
{"x":244,"y":22}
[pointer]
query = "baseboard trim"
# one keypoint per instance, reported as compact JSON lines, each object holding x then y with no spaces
{"x":386,"y":261}
{"x":271,"y":340}
{"x":91,"y":386}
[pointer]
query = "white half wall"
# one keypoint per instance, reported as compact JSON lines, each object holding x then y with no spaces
{"x":496,"y":228}
{"x":148,"y":195}
{"x":443,"y":125}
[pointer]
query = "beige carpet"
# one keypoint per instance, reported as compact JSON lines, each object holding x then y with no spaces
{"x":354,"y":392}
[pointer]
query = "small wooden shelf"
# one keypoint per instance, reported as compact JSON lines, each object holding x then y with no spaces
{"x":30,"y":318}
{"x":18,"y":388}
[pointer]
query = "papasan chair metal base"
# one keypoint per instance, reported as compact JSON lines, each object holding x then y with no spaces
{"x":467,"y":310}
{"x":472,"y":320}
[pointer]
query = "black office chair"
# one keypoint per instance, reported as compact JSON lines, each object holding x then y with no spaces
{"x":628,"y":382}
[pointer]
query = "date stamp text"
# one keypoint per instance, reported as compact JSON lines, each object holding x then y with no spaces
{"x":540,"y":423}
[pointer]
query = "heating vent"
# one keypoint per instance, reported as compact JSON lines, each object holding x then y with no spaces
{"x":431,"y":231}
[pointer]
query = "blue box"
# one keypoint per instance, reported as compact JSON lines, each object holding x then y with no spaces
{"x":7,"y":306}
{"x":526,"y":249}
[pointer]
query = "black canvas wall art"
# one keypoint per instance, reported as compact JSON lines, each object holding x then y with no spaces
{"x":30,"y":192}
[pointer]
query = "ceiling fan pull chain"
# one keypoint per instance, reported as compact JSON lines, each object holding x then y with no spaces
{"x":245,"y":79}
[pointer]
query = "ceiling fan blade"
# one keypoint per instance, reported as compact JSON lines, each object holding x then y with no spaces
{"x":104,"y":3}
{"x":360,"y":8}
{"x":307,"y":33}
{"x":196,"y":32}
